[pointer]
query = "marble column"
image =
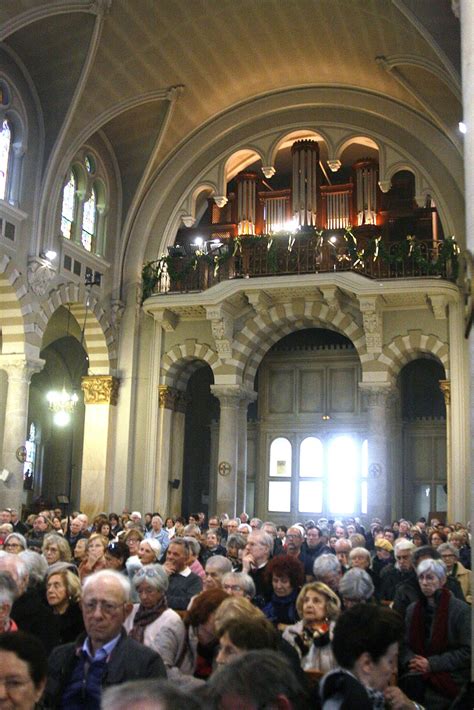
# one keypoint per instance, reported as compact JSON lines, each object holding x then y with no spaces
{"x":167,"y":401}
{"x":242,"y":459}
{"x":229,"y":398}
{"x":177,"y":453}
{"x":20,"y":371}
{"x":445,"y":387}
{"x":100,"y":395}
{"x":378,"y":399}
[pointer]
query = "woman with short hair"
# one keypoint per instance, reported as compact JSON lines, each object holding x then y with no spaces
{"x":15,"y":543}
{"x":286,"y":575}
{"x":239,"y":584}
{"x":356,"y":587}
{"x":63,"y":593}
{"x":95,"y":556}
{"x":56,"y":549}
{"x":450,"y":556}
{"x":24,"y":669}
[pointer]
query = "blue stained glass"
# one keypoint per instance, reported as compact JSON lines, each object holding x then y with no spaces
{"x":67,"y":212}
{"x":5,"y":144}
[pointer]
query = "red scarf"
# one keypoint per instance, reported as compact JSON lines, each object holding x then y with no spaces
{"x":441,"y":681}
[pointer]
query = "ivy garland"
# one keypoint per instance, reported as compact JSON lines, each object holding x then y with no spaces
{"x":446,"y":260}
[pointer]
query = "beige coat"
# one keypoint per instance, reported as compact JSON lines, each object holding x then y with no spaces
{"x":463,"y":576}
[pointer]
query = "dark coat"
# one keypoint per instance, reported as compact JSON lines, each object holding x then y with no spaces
{"x":129,"y":660}
{"x":33,"y":615}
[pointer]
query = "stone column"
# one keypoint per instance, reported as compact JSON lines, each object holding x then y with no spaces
{"x":445,"y":387}
{"x":167,"y":401}
{"x":20,"y":371}
{"x":379,"y":481}
{"x":241,"y":501}
{"x":229,"y":397}
{"x":177,"y":453}
{"x":100,"y":395}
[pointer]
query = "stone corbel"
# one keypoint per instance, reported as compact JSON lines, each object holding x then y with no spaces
{"x":100,"y":389}
{"x":334,"y":165}
{"x":220,"y":200}
{"x":188,"y":220}
{"x":332,"y":296}
{"x":168,"y":397}
{"x":259,"y":300}
{"x":269,"y":171}
{"x":40,"y":274}
{"x":222,"y":327}
{"x":385,"y":185}
{"x":438,"y":305}
{"x":167,"y":319}
{"x":373,"y":323}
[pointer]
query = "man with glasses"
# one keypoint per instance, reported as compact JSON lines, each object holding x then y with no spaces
{"x":105,"y":656}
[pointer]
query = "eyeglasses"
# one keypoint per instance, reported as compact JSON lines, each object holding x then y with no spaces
{"x":12,"y":546}
{"x":231,"y":587}
{"x":146,"y":573}
{"x":105,"y":607}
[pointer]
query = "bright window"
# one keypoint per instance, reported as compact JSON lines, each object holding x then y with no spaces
{"x":5,"y":145}
{"x":311,"y":457}
{"x":280,"y":457}
{"x":279,"y":496}
{"x":69,"y":204}
{"x":89,"y":220}
{"x":343,"y":465}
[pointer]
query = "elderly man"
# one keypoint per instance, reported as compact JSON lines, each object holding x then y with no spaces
{"x":254,"y":561}
{"x":157,"y":532}
{"x":216,"y":568}
{"x":392,"y":575}
{"x":41,"y":526}
{"x":294,"y":543}
{"x":74,"y":533}
{"x":327,"y":569}
{"x":183,"y":583}
{"x":149,"y":695}
{"x":106,"y":656}
{"x":342,"y":549}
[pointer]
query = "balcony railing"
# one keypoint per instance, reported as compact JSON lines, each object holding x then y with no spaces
{"x":253,"y":257}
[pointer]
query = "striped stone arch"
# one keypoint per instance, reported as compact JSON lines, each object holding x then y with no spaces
{"x":181,"y":361}
{"x":99,"y":337}
{"x":17,"y":321}
{"x":266,"y":328}
{"x":405,"y":348}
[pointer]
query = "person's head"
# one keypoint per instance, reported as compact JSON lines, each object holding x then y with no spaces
{"x":113,"y":520}
{"x":256,"y":523}
{"x":449,"y":554}
{"x":359,"y":557}
{"x":294,"y":540}
{"x":80,"y":549}
{"x":356,"y":587}
{"x":365,"y":642}
{"x":24,"y":667}
{"x":244,"y":529}
{"x":136,"y":517}
{"x":403,"y":555}
{"x":403,"y":528}
{"x":8,"y":594}
{"x":84,"y":520}
{"x":389,"y":535}
{"x":281,"y":531}
{"x":327,"y":569}
{"x":151,"y":583}
{"x":431,"y":576}
{"x":383,"y":550}
{"x":149,"y":551}
{"x":313,"y":536}
{"x":178,"y":553}
{"x":238,"y":584}
{"x":105,"y":606}
{"x":257,"y":679}
{"x":343,"y":548}
{"x":41,"y":524}
{"x":339,"y":532}
{"x":62,"y":588}
{"x":156,"y":523}
{"x":132,"y":539}
{"x":317,"y":603}
{"x":436,"y":538}
{"x":457,"y":538}
{"x":97,"y":545}
{"x":103,"y":528}
{"x":202,"y":612}
{"x":5,"y":516}
{"x":193,"y":531}
{"x":216,"y":567}
{"x":14,"y":543}
{"x":36,"y":566}
{"x":75,"y":527}
{"x":55,"y":548}
{"x":235,"y":544}
{"x":148,"y":695}
{"x":286,"y":574}
{"x":233,"y":526}
{"x":15,"y":566}
{"x":116,"y":555}
{"x":260,"y":546}
{"x":194,"y":549}
{"x":169,"y":523}
{"x":240,"y":635}
{"x":212,"y":538}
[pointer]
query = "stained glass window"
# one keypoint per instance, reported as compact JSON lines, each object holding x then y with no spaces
{"x":67,"y":212}
{"x":5,"y":144}
{"x":90,"y":164}
{"x":89,"y":220}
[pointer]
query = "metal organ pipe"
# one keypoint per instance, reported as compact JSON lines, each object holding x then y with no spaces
{"x":305,"y":182}
{"x":246,"y":202}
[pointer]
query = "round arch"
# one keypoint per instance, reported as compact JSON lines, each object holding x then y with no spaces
{"x":182,"y":360}
{"x":16,"y":312}
{"x":405,"y":348}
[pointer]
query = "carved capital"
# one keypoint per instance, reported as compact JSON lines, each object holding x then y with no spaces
{"x":100,"y":389}
{"x":445,"y":387}
{"x":373,"y":323}
{"x":220,"y":200}
{"x":385,"y":185}
{"x":19,"y":368}
{"x":269,"y":171}
{"x":40,"y":274}
{"x":168,"y":397}
{"x":334,"y":165}
{"x":188,"y":220}
{"x":167,"y":319}
{"x":260,"y":300}
{"x":232,"y":396}
{"x":222,"y":327}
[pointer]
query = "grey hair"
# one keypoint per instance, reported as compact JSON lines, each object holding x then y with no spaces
{"x":236,"y":540}
{"x":104,"y":574}
{"x":244,"y":581}
{"x":259,"y":522}
{"x":269,"y":523}
{"x":36,"y":565}
{"x":448,"y":547}
{"x":436,"y":566}
{"x":324,"y":565}
{"x":265,"y":539}
{"x":193,"y":544}
{"x":404,"y":545}
{"x":162,"y":693}
{"x":220,"y":563}
{"x":21,"y":568}
{"x":191,"y":528}
{"x":8,"y":589}
{"x":356,"y":584}
{"x":21,"y":539}
{"x":154,"y":575}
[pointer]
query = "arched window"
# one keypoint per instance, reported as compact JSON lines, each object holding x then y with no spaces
{"x":89,"y":219}
{"x":279,"y":491}
{"x":5,"y":145}
{"x":69,"y":205}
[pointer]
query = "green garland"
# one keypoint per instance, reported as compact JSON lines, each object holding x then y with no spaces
{"x":401,"y":252}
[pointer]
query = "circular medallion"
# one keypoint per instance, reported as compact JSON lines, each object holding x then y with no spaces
{"x":21,"y":454}
{"x":375,"y":469}
{"x":224,"y":468}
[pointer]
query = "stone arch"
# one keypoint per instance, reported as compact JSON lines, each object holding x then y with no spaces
{"x":349,"y":140}
{"x":99,"y":337}
{"x":16,"y":312}
{"x":248,"y":154}
{"x":405,"y":348}
{"x":182,"y":360}
{"x":266,"y":328}
{"x":294,"y":135}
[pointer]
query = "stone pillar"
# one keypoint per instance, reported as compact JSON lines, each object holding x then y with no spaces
{"x":241,"y":501}
{"x":167,"y":401}
{"x":177,"y":453}
{"x":229,"y":397}
{"x":20,"y":371}
{"x":445,"y":387}
{"x":379,"y":483}
{"x":100,"y":395}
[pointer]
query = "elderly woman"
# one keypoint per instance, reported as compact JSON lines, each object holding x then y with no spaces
{"x":56,"y":549}
{"x":318,"y":607}
{"x":286,"y":575}
{"x":8,"y":594}
{"x":356,"y":587}
{"x":202,"y":641}
{"x":437,"y":654}
{"x":216,"y":568}
{"x":149,"y":551}
{"x":460,"y":538}
{"x":450,"y":556}
{"x":235,"y":549}
{"x":436,"y":538}
{"x":63,"y":593}
{"x":238,"y":584}
{"x":15,"y":543}
{"x":151,"y":622}
{"x":95,"y":556}
{"x":24,"y":668}
{"x":193,"y":562}
{"x":116,"y":556}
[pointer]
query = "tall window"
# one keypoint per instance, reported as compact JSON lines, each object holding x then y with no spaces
{"x":5,"y":145}
{"x":69,"y":206}
{"x":279,"y":491}
{"x":89,"y":220}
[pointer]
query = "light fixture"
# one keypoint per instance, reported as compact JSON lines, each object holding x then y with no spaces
{"x":199,"y":241}
{"x":462,"y":127}
{"x":325,"y":417}
{"x":48,"y":255}
{"x":333,"y":239}
{"x":61,"y":419}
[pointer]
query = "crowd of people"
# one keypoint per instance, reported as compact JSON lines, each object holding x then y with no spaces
{"x":142,"y":611}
